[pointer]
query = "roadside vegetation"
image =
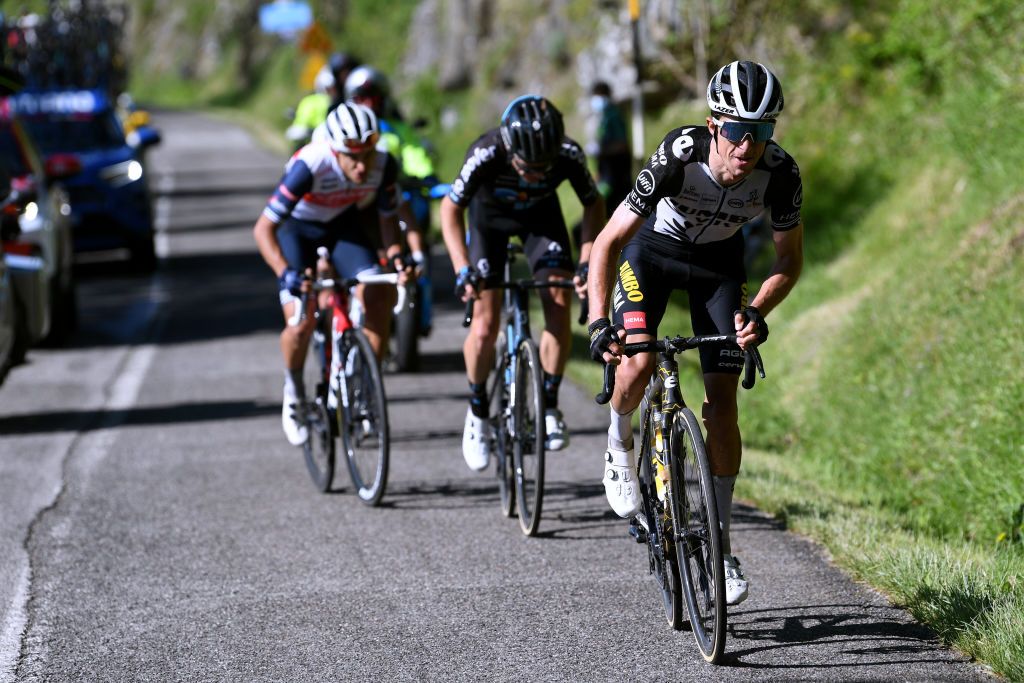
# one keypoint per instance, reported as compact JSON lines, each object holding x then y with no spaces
{"x":889,"y":427}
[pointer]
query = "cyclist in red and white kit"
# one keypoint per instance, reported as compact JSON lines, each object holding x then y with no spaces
{"x":679,"y":228}
{"x":339,"y":192}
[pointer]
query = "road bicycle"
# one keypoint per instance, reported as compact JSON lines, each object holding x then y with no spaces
{"x":516,"y":398}
{"x":348,"y":399}
{"x":678,"y":517}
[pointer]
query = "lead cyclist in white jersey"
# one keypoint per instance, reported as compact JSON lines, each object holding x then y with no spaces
{"x":340,"y":192}
{"x":679,"y":228}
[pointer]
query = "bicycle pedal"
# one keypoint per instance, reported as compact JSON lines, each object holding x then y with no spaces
{"x":637,"y":530}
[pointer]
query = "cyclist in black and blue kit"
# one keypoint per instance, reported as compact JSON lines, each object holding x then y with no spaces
{"x":340,"y":192}
{"x":680,"y":228}
{"x":509,"y":181}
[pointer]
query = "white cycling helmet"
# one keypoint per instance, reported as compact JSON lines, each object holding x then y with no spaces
{"x":747,"y":91}
{"x":350,"y":128}
{"x":324,"y":80}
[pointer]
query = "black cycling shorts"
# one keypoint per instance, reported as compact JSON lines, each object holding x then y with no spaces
{"x":346,"y":237}
{"x":541,"y":229}
{"x":652,"y":266}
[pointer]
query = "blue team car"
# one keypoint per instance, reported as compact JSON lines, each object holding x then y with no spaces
{"x":111,"y":205}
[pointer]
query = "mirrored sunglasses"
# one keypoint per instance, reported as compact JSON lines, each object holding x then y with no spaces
{"x":736,"y":131}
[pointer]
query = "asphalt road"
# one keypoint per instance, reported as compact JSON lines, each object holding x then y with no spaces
{"x":156,"y":526}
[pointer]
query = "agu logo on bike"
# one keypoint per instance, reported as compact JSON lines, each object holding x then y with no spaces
{"x":629,"y":284}
{"x":634,"y":319}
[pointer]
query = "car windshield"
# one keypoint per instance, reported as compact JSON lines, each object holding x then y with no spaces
{"x":11,"y":157}
{"x":76,"y":133}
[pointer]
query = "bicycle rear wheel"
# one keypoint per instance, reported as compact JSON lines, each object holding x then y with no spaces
{"x":660,"y":544}
{"x":528,"y":435}
{"x":502,"y":445}
{"x":363,"y":417}
{"x":319,"y":449}
{"x":698,"y":540}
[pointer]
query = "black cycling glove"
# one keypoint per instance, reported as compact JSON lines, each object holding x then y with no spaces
{"x":602,"y":335}
{"x":291,"y":280}
{"x":751,"y":314}
{"x":468,"y":275}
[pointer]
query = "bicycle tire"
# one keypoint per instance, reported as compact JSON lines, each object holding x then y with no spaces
{"x":407,"y":334}
{"x":319,"y":449}
{"x":698,"y":536}
{"x":663,"y":564}
{"x":363,"y":417}
{"x":528,"y":438}
{"x":501,"y":446}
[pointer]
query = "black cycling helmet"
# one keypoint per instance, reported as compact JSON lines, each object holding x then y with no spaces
{"x":532,"y":129}
{"x":365,"y":81}
{"x":342,"y":63}
{"x":747,"y":91}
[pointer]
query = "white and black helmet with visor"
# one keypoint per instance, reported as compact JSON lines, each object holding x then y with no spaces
{"x":747,"y":91}
{"x":350,"y":128}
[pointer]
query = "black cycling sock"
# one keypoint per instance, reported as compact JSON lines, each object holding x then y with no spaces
{"x":551,"y":384}
{"x":478,"y":399}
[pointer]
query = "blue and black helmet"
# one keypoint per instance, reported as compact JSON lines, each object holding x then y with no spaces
{"x":532,"y":129}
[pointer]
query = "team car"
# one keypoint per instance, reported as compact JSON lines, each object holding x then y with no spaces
{"x":111,"y":205}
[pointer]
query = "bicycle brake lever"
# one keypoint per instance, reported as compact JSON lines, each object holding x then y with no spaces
{"x":609,"y":385}
{"x":467,"y":319}
{"x":584,"y":308}
{"x":752,"y":359}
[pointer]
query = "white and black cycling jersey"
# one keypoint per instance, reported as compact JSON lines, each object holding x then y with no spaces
{"x":677,"y":186}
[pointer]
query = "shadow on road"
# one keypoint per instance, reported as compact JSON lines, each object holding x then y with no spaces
{"x":795,"y":626}
{"x":60,"y":421}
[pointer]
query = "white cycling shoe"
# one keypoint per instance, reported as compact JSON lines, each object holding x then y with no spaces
{"x":292,"y":420}
{"x":556,"y":435}
{"x":476,"y":446}
{"x":735,"y":583}
{"x":620,"y":484}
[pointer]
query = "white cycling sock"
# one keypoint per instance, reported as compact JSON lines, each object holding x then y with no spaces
{"x":294,"y":383}
{"x":723,"y":494}
{"x":620,"y":431}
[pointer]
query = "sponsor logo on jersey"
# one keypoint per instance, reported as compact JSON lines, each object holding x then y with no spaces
{"x":730,"y":365}
{"x":634,"y":319}
{"x":659,"y":156}
{"x":691,"y":193}
{"x":645,"y":183}
{"x":574,"y":152}
{"x":773,"y":155}
{"x":555,"y":247}
{"x":480,"y":156}
{"x":730,"y":353}
{"x":483,"y":266}
{"x":682,"y":146}
{"x":798,"y":198}
{"x":629,"y":283}
{"x":735,"y":203}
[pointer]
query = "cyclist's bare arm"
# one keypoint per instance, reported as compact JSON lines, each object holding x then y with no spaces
{"x":453,"y":229}
{"x":594,"y":217}
{"x":789,"y":260}
{"x":266,"y":241}
{"x":604,"y":255}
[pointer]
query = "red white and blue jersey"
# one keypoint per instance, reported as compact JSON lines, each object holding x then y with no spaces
{"x":678,"y":187}
{"x":314,"y":188}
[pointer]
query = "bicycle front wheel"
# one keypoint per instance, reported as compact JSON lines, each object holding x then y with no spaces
{"x":502,"y":445}
{"x":528,"y":436}
{"x":660,"y":544}
{"x":698,"y":536}
{"x":363,"y":417}
{"x":319,"y":450}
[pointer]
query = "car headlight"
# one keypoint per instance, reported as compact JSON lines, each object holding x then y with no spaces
{"x":123,"y":173}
